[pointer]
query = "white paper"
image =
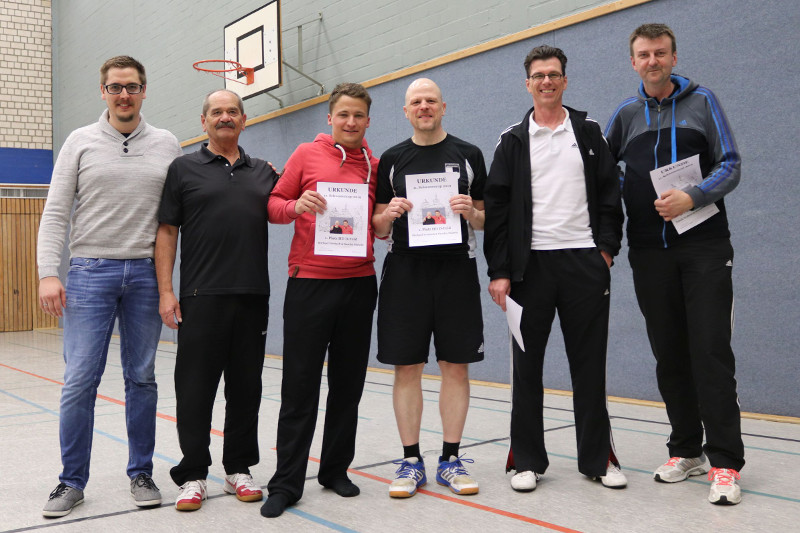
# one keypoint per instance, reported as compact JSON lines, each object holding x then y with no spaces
{"x":343,"y":229}
{"x":514,"y":318}
{"x":680,"y":175}
{"x":431,"y":221}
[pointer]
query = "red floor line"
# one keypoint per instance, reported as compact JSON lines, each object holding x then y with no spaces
{"x":467,"y":503}
{"x":445,"y":497}
{"x":163,"y":416}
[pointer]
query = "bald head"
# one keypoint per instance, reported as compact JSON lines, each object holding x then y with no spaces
{"x":423,"y":84}
{"x":424,"y":109}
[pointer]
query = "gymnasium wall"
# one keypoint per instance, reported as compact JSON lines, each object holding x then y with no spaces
{"x":26,"y":133}
{"x":737,"y":48}
{"x":352,"y":41}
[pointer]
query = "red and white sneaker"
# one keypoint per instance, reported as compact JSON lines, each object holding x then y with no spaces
{"x":243,"y":486}
{"x":724,"y":486}
{"x":192,"y":495}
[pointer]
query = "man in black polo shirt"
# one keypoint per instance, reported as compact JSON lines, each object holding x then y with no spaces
{"x":217,"y":196}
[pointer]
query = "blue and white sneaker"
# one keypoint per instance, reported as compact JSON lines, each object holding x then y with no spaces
{"x":410,"y":477}
{"x":454,"y":476}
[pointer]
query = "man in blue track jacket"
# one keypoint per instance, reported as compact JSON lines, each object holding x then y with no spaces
{"x":683,"y":280}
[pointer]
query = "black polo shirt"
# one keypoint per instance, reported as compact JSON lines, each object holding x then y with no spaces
{"x":222,"y":214}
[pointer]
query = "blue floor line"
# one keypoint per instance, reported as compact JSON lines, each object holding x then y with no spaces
{"x":666,"y":435}
{"x":431,"y":400}
{"x":698,"y":481}
{"x":327,"y":523}
{"x":170,"y":460}
{"x":770,"y":450}
{"x":20,"y":414}
{"x":639,"y":470}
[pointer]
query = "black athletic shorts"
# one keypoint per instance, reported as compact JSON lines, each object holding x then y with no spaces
{"x":424,"y":295}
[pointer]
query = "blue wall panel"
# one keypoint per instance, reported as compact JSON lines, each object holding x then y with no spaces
{"x":756,"y":85}
{"x":26,"y":166}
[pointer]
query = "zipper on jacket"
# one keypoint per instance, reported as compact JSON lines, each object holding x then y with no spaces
{"x":655,"y":156}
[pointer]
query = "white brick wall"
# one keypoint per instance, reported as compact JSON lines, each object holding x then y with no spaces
{"x":26,"y":111}
{"x":355,"y":41}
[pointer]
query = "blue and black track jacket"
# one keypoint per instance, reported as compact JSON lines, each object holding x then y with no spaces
{"x":647,"y":134}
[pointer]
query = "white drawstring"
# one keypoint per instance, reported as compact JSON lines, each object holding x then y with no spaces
{"x":366,"y":157}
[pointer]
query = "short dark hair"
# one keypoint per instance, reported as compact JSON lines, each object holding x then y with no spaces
{"x":545,"y":52}
{"x":652,"y":31}
{"x":122,"y":62}
{"x":207,"y":104}
{"x":353,"y":90}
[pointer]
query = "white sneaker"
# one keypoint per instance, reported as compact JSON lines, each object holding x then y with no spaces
{"x":680,"y":468}
{"x":244,"y":487}
{"x":724,"y":486}
{"x":192,"y":495}
{"x":614,"y":478}
{"x":525,"y":481}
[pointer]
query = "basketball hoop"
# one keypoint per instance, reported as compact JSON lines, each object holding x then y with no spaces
{"x":235,"y":66}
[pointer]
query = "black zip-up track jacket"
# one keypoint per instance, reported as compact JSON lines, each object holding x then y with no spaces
{"x":509,"y":205}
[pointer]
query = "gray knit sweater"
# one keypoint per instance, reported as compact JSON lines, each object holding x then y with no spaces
{"x":115,"y":184}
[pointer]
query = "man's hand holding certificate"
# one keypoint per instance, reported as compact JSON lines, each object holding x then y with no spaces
{"x":669,"y":181}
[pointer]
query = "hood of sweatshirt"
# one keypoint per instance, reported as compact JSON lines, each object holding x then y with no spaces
{"x":349,"y":156}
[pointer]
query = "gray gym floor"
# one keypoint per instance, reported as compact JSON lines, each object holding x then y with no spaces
{"x":31,"y":373}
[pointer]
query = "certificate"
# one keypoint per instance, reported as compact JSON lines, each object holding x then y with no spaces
{"x":681,"y":175}
{"x":431,"y":221}
{"x":343,"y":229}
{"x":514,"y":318}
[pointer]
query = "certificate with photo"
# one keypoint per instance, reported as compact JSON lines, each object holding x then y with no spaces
{"x":681,"y":175}
{"x":431,"y":221}
{"x":343,"y":229}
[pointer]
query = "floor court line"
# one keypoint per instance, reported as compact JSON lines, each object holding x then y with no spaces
{"x":163,"y":416}
{"x":219,"y":433}
{"x":478,"y":506}
{"x":455,"y":500}
{"x":167,"y":459}
{"x":359,"y":471}
{"x":502,"y":441}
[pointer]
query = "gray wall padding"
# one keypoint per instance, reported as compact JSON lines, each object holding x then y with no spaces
{"x":755,"y":84}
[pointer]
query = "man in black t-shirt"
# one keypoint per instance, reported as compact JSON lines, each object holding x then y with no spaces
{"x":217,"y":197}
{"x":430,"y":289}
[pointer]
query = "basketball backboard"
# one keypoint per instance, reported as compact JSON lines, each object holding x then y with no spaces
{"x":255,"y":41}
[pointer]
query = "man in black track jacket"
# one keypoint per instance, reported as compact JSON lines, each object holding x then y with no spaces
{"x":553,"y":224}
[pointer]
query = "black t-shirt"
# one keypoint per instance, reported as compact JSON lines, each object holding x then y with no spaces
{"x":406,"y":158}
{"x":222,"y":212}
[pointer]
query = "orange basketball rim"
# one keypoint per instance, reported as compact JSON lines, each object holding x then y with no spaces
{"x":230,"y":66}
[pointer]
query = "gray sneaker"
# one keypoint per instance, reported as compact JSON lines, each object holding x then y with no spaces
{"x":680,"y":468}
{"x":62,"y":500}
{"x":144,"y":491}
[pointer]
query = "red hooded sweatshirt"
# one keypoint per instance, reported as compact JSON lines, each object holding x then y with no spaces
{"x":322,"y":160}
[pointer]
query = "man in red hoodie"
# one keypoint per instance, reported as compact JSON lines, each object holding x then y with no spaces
{"x":321,"y":291}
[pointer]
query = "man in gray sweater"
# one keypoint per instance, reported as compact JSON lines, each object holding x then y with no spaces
{"x":113,"y":172}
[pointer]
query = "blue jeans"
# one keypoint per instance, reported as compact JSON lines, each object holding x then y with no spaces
{"x":98,"y":292}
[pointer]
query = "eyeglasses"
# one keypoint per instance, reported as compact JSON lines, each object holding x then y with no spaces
{"x":539,"y":77}
{"x":116,"y":88}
